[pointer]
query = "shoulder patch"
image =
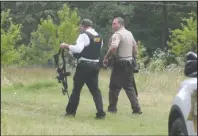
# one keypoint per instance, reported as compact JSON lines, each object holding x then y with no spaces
{"x":113,"y":38}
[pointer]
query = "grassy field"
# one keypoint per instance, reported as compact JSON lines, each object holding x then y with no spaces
{"x":32,"y":104}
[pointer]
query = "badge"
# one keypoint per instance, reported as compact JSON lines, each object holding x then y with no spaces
{"x":96,"y":39}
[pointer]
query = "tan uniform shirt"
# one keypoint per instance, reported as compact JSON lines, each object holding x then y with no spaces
{"x":124,"y":41}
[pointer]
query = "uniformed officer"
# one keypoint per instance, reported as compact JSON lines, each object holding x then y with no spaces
{"x":123,"y":46}
{"x":88,"y":46}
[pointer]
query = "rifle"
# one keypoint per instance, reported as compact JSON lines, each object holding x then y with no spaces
{"x":136,"y":68}
{"x":62,"y":74}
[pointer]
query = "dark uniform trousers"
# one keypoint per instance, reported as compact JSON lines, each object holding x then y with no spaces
{"x":122,"y":77}
{"x":86,"y":73}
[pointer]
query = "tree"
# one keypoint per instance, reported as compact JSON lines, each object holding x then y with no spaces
{"x":184,"y":39}
{"x":10,"y":34}
{"x":46,"y":39}
{"x":29,"y":13}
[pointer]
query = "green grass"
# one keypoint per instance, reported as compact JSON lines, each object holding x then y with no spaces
{"x":33,"y":104}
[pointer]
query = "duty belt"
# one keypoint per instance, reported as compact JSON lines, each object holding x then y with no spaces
{"x":125,"y":58}
{"x":89,"y":62}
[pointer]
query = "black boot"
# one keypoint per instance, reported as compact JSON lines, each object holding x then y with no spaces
{"x":112,"y":111}
{"x":69,"y":114}
{"x":137,"y":111}
{"x":100,"y":115}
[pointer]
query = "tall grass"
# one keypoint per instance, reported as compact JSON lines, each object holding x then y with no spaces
{"x":32,"y":104}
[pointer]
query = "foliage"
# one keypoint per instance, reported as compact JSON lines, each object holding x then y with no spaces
{"x":185,"y":39}
{"x":43,"y":27}
{"x":45,"y":41}
{"x":162,"y":60}
{"x":10,"y":34}
{"x":157,"y":62}
{"x":148,"y":21}
{"x":142,"y":56}
{"x":29,"y":13}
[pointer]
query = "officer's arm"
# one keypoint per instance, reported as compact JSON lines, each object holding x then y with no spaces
{"x":110,"y":52}
{"x":113,"y":45}
{"x":81,"y":42}
{"x":135,"y":51}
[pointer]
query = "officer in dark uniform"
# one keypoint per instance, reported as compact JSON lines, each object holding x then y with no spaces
{"x":88,"y":47}
{"x":123,"y":48}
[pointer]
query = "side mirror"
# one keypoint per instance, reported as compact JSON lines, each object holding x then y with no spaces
{"x":191,"y":56}
{"x":190,"y":69}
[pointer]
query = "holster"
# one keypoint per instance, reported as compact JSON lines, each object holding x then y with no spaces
{"x":136,"y":66}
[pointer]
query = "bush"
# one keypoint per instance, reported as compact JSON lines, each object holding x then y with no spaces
{"x":46,"y":40}
{"x":10,"y":35}
{"x":157,"y":62}
{"x":163,"y":60}
{"x":185,"y":39}
{"x":142,"y":56}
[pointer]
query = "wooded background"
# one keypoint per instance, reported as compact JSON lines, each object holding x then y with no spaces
{"x":31,"y":31}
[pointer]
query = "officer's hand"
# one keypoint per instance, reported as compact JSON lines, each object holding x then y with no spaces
{"x":105,"y":62}
{"x":64,"y":45}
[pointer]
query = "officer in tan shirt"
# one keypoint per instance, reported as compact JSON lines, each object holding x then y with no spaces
{"x":123,"y":47}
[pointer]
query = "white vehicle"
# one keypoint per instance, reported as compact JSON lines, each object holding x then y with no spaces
{"x":183,"y":114}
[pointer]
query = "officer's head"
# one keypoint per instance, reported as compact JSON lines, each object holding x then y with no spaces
{"x":117,"y":23}
{"x":85,"y":23}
